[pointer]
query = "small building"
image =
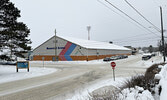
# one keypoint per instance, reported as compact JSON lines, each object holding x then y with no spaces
{"x":134,"y":50}
{"x":72,"y":49}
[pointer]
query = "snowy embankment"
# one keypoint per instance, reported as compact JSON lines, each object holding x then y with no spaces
{"x":163,"y":81}
{"x":8,"y":73}
{"x":126,"y":94}
{"x":84,"y":93}
{"x":132,"y":94}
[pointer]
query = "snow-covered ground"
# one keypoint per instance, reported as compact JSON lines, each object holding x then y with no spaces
{"x":84,"y":94}
{"x":70,"y":62}
{"x":8,"y":73}
{"x":163,"y":81}
{"x":148,"y":63}
{"x":132,"y":94}
{"x":137,"y":93}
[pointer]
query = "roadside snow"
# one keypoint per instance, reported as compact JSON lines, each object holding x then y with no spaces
{"x":128,"y":94}
{"x":163,"y":81}
{"x":84,"y":93}
{"x":137,"y":93}
{"x":71,"y":62}
{"x":8,"y":73}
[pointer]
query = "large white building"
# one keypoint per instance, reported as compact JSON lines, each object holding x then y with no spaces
{"x":70,"y":49}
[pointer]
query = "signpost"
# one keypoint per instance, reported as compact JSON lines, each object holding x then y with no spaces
{"x":113,"y":64}
{"x":43,"y":58}
{"x":22,"y":65}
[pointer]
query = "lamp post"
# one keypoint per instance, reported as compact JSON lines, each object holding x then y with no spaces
{"x":88,"y":28}
{"x":55,"y":47}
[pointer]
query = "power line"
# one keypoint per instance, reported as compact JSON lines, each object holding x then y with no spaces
{"x":159,"y":3}
{"x":156,"y":3}
{"x":138,"y":44}
{"x":119,"y":14}
{"x":134,"y":36}
{"x":130,"y":17}
{"x":130,"y":42}
{"x":155,"y":27}
{"x":133,"y":40}
{"x":136,"y":40}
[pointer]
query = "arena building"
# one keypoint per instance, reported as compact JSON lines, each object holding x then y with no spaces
{"x":72,"y":49}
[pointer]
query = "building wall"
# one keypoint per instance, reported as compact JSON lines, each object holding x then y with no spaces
{"x":68,"y":51}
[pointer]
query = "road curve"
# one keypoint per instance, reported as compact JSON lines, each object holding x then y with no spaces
{"x":63,"y":82}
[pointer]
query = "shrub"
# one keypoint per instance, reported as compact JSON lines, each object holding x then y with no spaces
{"x":146,"y":81}
{"x":106,"y":95}
{"x":151,"y":71}
{"x":140,"y":81}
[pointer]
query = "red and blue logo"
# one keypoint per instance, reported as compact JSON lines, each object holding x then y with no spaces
{"x":65,"y":53}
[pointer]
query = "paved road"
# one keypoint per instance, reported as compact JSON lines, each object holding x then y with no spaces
{"x":66,"y":80}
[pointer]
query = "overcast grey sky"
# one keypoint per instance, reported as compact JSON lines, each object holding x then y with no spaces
{"x":70,"y":18}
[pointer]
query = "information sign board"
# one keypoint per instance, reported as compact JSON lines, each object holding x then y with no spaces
{"x":22,"y":65}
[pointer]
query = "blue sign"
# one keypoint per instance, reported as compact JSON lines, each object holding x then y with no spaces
{"x":22,"y":64}
{"x":49,"y":48}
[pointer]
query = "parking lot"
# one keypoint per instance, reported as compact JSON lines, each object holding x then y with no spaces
{"x":112,"y":58}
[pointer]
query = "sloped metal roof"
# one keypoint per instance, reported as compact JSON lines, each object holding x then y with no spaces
{"x":89,"y":44}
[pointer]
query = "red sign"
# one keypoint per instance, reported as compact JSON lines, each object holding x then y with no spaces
{"x":113,"y":64}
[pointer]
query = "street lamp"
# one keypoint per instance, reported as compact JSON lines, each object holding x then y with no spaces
{"x":88,"y":28}
{"x":55,"y":47}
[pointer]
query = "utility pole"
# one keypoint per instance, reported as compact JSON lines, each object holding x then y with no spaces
{"x":55,"y":47}
{"x":88,"y":28}
{"x":162,"y":31}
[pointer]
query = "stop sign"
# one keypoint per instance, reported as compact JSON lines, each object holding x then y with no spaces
{"x":113,"y":64}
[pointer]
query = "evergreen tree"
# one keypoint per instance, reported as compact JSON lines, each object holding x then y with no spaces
{"x":13,"y":34}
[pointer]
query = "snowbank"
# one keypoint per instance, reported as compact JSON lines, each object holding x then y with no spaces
{"x":8,"y":73}
{"x":137,"y":93}
{"x":131,"y":94}
{"x":126,"y":94}
{"x":163,"y":81}
{"x":84,"y":93}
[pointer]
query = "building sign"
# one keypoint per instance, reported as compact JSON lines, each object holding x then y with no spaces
{"x":49,"y":48}
{"x":22,"y":65}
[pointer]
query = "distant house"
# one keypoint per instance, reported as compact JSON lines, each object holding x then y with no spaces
{"x":134,"y":50}
{"x":72,"y":49}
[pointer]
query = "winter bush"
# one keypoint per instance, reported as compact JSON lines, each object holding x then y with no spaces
{"x":140,"y":87}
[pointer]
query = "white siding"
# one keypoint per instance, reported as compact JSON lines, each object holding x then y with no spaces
{"x":47,"y":48}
